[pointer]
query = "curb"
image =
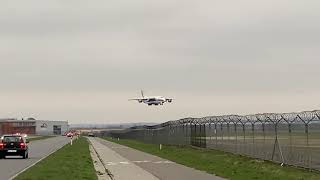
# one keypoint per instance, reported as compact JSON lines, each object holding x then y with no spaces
{"x":100,"y":159}
{"x":98,"y":165}
{"x":23,"y":170}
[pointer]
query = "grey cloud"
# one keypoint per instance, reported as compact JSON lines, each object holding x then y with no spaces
{"x":212,"y":47}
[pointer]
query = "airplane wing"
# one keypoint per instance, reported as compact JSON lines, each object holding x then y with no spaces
{"x":137,"y":99}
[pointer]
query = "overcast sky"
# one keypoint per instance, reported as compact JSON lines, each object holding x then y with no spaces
{"x":81,"y":60}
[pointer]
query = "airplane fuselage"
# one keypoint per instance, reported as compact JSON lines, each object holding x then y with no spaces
{"x":152,"y":100}
{"x":156,"y":100}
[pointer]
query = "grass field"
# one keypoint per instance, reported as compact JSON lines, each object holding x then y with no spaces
{"x":70,"y":162}
{"x":223,"y":164}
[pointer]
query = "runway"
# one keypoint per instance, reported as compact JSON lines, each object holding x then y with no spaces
{"x":126,"y":163}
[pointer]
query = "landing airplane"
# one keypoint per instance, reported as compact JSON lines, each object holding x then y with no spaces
{"x":152,"y":100}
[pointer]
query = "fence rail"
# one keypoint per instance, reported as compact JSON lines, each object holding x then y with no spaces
{"x":289,"y":138}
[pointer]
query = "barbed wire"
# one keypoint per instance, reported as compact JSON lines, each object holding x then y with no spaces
{"x":288,"y":138}
{"x":304,"y":117}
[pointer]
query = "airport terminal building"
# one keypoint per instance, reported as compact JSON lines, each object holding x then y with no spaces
{"x":33,"y":127}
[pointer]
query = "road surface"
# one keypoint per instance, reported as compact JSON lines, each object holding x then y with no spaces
{"x":37,"y":149}
{"x":126,"y":163}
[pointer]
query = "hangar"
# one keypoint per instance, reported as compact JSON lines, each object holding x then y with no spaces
{"x":44,"y":127}
{"x":33,"y":127}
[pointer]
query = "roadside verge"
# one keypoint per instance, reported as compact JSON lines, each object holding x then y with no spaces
{"x":69,"y":162}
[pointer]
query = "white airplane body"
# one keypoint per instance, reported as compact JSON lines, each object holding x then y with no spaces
{"x":153,"y":100}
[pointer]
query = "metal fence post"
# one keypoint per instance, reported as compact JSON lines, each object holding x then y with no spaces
{"x":308,"y":146}
{"x":215,"y":132}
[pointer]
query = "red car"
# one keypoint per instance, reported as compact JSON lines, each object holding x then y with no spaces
{"x":69,"y":134}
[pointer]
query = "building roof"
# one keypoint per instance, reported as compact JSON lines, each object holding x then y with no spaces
{"x":19,"y":120}
{"x":15,"y":120}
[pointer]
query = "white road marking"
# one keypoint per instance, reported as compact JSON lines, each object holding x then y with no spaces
{"x":168,"y":162}
{"x":145,"y":161}
{"x":119,"y":147}
{"x":141,"y":161}
{"x":110,"y":164}
{"x":137,"y":161}
{"x":161,"y":162}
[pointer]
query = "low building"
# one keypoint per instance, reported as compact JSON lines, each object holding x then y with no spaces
{"x":33,"y":127}
{"x":11,"y":126}
{"x":51,"y":127}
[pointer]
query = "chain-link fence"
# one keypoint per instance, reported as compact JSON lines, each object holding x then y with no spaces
{"x":289,"y":138}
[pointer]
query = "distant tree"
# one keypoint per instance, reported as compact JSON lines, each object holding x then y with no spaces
{"x":31,"y":118}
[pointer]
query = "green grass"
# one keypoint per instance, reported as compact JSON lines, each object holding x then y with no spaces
{"x":223,"y":164}
{"x":70,"y":162}
{"x":40,"y":138}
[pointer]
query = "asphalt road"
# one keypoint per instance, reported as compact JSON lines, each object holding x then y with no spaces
{"x":160,"y":168}
{"x":37,"y":149}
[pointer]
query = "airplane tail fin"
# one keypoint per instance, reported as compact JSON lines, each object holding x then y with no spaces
{"x":142,"y":94}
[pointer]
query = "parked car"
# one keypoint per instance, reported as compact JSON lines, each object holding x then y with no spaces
{"x":70,"y":134}
{"x":91,"y":135}
{"x":25,"y":135}
{"x":14,"y":145}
